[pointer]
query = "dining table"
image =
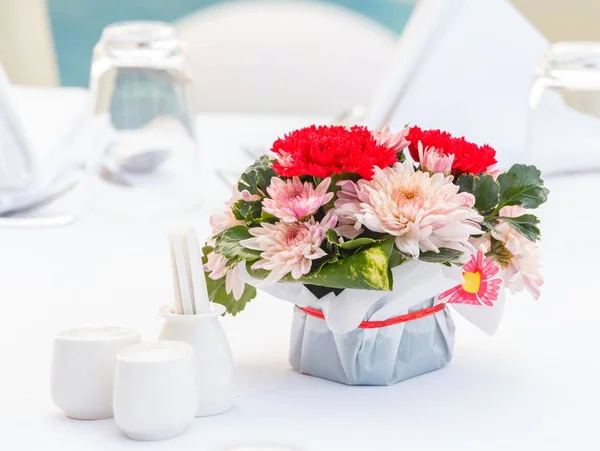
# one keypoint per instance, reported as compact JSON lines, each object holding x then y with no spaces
{"x":534,"y":384}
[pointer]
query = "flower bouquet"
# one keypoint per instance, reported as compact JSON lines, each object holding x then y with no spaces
{"x":372,"y":245}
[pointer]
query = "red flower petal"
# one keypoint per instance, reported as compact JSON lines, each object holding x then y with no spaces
{"x":468,"y":157}
{"x":326,"y":150}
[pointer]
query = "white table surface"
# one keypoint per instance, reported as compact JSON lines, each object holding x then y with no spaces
{"x":534,"y":384}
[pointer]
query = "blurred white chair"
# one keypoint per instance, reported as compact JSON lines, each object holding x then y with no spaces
{"x":426,"y":28}
{"x":456,"y":67}
{"x":285,"y":57}
{"x":475,"y":81}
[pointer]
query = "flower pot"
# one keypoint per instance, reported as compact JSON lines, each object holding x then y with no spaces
{"x":375,"y":353}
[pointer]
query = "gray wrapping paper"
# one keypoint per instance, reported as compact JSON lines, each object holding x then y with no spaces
{"x":382,"y":356}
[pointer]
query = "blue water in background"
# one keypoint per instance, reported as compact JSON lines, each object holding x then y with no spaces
{"x":77,"y":25}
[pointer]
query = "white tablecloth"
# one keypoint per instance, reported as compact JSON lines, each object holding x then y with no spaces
{"x":534,"y":384}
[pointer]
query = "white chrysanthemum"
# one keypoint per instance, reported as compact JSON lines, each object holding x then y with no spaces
{"x":521,"y":266}
{"x":424,"y":212}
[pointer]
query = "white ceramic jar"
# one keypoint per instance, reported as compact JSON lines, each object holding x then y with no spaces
{"x":83,"y":364}
{"x":214,"y":363}
{"x":155,"y":390}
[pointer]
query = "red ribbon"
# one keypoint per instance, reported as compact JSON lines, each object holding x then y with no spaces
{"x":388,"y":322}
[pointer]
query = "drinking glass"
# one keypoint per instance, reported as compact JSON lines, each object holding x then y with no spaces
{"x":144,"y":155}
{"x":564,"y":109}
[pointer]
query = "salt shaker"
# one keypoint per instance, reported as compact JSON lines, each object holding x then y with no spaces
{"x":83,"y":364}
{"x":155,"y":390}
{"x":214,"y":363}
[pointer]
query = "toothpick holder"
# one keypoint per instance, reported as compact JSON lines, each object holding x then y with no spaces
{"x":214,"y":363}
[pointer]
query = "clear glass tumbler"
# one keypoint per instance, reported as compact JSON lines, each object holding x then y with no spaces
{"x":144,"y":155}
{"x":564,"y":106}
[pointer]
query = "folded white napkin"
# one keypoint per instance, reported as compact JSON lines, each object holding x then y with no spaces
{"x":42,"y":141}
{"x":16,"y":165}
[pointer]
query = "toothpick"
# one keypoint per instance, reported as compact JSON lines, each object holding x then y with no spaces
{"x":185,"y":289}
{"x":178,"y":305}
{"x":196,"y":271}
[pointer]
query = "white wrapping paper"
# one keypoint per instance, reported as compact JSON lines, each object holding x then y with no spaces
{"x":382,"y":356}
{"x":338,"y":350}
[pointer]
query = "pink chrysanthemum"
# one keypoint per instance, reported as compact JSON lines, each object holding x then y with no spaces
{"x":216,"y":264}
{"x":223,"y":221}
{"x":434,"y":161}
{"x":347,"y":206}
{"x":288,"y":247}
{"x":479,"y":286}
{"x":291,"y":200}
{"x":396,"y":141}
{"x":424,"y":212}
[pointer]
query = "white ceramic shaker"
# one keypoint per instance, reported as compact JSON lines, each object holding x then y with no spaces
{"x":214,"y":363}
{"x":83,"y":364}
{"x":155,"y":390}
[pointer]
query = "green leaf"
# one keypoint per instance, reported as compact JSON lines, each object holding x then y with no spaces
{"x":486,"y":226}
{"x":266,"y":217}
{"x":218,"y":294}
{"x":357,"y":243}
{"x":217,"y":290}
{"x":466,"y":183}
{"x":444,"y":256}
{"x":248,"y":211}
{"x":257,"y":177}
{"x":332,"y":237}
{"x":350,"y":245}
{"x":397,"y":258}
{"x":228,"y":244}
{"x":367,"y":270}
{"x":522,"y":185}
{"x":483,"y":187}
{"x":526,"y":225}
{"x":486,"y":193}
{"x":332,"y":256}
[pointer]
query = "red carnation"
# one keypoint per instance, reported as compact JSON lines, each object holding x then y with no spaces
{"x":468,"y":157}
{"x":326,"y":150}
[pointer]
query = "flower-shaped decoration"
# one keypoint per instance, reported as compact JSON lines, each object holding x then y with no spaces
{"x":338,"y":208}
{"x":479,"y":286}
